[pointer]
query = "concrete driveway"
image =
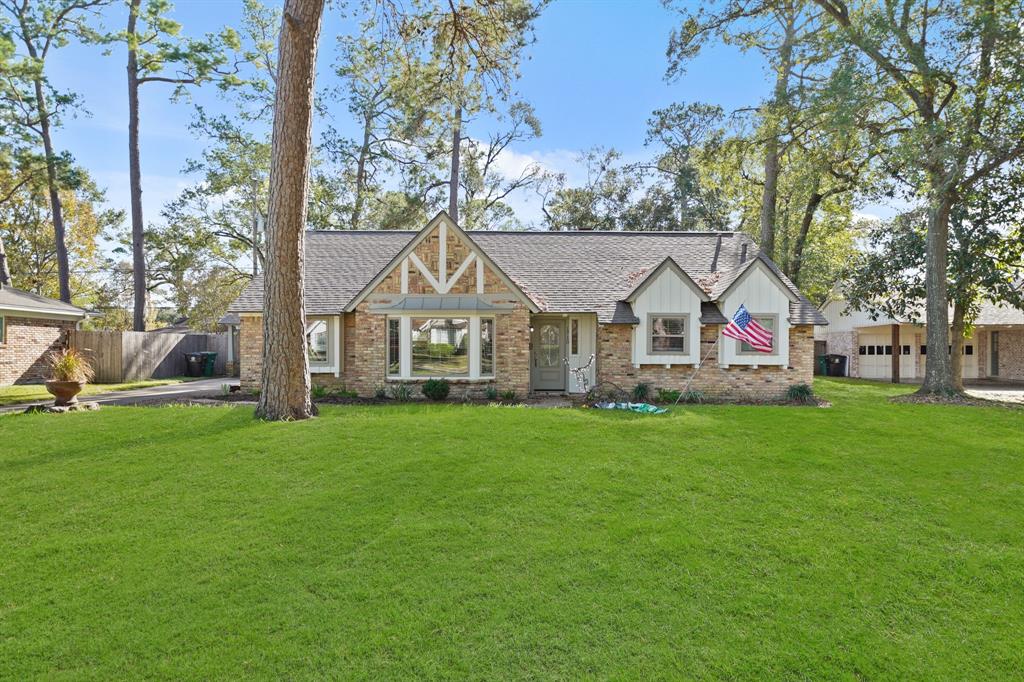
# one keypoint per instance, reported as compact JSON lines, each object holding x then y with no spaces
{"x":203,"y":388}
{"x":1001,"y":391}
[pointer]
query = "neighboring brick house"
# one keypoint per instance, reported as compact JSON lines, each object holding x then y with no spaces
{"x":994,"y":350}
{"x":508,"y":309}
{"x":31,"y":326}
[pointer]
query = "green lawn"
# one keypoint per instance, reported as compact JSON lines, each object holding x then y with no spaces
{"x":870,"y":540}
{"x":33,"y":393}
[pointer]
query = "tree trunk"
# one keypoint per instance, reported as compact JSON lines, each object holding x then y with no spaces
{"x":956,"y":343}
{"x":453,"y":180}
{"x":5,"y":270}
{"x":364,"y":152}
{"x":56,"y":209}
{"x":135,"y":179}
{"x":286,"y":383}
{"x":797,"y":261}
{"x":772,"y":154}
{"x":938,"y":376}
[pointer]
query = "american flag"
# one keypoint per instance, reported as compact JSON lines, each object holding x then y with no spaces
{"x":745,"y":328}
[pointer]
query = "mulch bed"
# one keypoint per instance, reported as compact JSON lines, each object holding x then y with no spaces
{"x":960,"y":399}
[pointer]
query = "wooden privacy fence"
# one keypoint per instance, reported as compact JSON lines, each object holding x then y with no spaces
{"x":133,"y":356}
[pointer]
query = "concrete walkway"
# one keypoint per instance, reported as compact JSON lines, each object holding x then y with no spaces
{"x":142,"y":396}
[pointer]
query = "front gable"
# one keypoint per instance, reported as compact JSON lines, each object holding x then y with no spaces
{"x":442,"y":260}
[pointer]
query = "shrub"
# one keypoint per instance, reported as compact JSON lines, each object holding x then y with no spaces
{"x":641,"y":393}
{"x":401,"y":392}
{"x":380,"y":392}
{"x":318,"y":392}
{"x":509,"y":395}
{"x":800,"y":393}
{"x":692,"y":397}
{"x":491,"y":392}
{"x":668,"y":395}
{"x":70,"y":365}
{"x":436,"y":389}
{"x":344,"y":393}
{"x":225,"y":389}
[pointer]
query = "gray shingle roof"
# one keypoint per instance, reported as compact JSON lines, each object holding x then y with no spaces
{"x":560,"y":271}
{"x":26,"y":300}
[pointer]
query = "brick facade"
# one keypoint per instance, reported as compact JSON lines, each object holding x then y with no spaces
{"x":29,"y":340}
{"x":845,"y":343}
{"x":1011,"y":354}
{"x":364,"y":351}
{"x":737,"y":382}
{"x":364,"y":368}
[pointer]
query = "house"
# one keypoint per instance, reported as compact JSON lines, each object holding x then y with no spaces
{"x":31,"y":326}
{"x":875,"y":348}
{"x":512,"y":309}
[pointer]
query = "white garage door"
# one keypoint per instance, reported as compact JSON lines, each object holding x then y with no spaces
{"x":875,"y":359}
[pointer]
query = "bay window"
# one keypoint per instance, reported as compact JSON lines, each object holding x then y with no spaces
{"x":440,"y":347}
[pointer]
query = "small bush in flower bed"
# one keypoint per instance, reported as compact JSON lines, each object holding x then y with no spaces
{"x":436,"y":389}
{"x":800,"y":393}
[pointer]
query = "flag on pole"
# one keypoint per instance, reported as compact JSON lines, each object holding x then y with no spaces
{"x":745,"y":328}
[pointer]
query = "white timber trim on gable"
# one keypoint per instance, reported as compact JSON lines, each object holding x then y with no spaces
{"x":440,"y":280}
{"x":405,"y":275}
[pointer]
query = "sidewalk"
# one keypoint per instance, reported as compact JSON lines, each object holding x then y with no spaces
{"x":142,"y":396}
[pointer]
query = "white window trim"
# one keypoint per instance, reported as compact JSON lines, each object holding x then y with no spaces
{"x":685,"y":317}
{"x":3,"y":330}
{"x":473,"y":344}
{"x":333,"y":363}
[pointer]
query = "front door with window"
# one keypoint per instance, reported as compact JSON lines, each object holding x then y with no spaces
{"x":547,"y":371}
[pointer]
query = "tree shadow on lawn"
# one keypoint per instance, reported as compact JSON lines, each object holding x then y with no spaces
{"x":68,"y":444}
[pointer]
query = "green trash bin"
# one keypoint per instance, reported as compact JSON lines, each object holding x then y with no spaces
{"x":823,"y":365}
{"x":209,"y":359}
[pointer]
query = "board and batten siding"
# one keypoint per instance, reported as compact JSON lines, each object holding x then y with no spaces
{"x":668,"y":294}
{"x":587,"y":334}
{"x":762,"y":294}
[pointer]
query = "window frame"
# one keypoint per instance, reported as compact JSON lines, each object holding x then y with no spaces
{"x":685,"y":336}
{"x":574,"y":336}
{"x":479,"y":349}
{"x":387,"y":347}
{"x":3,"y":330}
{"x":326,"y":363}
{"x":775,"y":340}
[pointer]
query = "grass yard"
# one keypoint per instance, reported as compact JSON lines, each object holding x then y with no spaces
{"x":870,"y":540}
{"x":33,"y":393}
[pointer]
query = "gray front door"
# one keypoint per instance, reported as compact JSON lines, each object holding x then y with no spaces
{"x":547,"y":372}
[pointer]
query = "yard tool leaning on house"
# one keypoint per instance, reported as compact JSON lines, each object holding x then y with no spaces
{"x":741,"y":327}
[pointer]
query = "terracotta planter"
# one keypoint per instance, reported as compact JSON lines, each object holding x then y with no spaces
{"x":65,"y":392}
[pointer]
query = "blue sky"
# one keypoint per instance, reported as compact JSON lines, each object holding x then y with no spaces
{"x":593,"y":76}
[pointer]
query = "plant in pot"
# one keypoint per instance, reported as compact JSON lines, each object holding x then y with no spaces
{"x":70,"y":370}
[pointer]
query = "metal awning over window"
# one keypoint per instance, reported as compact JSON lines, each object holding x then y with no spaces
{"x":466,"y":303}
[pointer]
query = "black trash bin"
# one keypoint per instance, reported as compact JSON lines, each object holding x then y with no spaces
{"x":209,"y":360}
{"x":194,"y":364}
{"x":836,"y":365}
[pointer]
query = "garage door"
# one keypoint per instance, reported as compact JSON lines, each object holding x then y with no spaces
{"x":875,"y":359}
